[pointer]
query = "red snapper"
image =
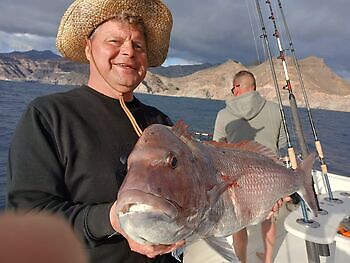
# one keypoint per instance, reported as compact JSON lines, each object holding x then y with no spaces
{"x":177,"y":188}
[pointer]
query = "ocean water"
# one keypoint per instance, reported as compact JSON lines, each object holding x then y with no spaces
{"x":333,"y":127}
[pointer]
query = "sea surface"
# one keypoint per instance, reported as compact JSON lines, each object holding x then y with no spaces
{"x":333,"y":127}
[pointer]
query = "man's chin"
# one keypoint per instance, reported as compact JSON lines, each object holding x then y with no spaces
{"x":125,"y":86}
{"x":132,"y":80}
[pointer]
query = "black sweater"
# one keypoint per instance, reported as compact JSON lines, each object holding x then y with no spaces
{"x":67,"y":156}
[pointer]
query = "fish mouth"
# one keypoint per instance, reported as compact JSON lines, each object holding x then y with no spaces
{"x":133,"y":201}
{"x":149,"y":219}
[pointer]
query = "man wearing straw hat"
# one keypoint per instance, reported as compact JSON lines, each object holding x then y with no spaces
{"x":68,"y":153}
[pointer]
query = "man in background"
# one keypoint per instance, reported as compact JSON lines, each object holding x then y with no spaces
{"x":248,"y":116}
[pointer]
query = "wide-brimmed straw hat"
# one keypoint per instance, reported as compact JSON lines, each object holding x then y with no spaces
{"x":83,"y":16}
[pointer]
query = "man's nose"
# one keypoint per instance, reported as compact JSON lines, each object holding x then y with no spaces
{"x":127,"y":48}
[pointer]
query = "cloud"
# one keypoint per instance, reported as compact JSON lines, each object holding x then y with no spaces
{"x":211,"y":31}
{"x":205,"y":31}
{"x":39,"y":17}
{"x":178,"y":61}
{"x":25,"y":42}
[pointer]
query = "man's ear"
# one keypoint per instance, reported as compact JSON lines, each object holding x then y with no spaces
{"x":88,"y":49}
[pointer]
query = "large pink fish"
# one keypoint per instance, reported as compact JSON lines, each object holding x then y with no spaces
{"x":177,"y":188}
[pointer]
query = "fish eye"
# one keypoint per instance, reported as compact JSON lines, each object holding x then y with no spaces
{"x":171,"y":160}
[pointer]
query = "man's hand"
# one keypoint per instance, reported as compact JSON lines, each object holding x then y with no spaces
{"x":277,"y":206}
{"x":150,"y":251}
{"x":153,"y":251}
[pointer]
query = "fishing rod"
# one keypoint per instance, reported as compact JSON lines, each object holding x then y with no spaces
{"x":291,"y":152}
{"x":311,"y":248}
{"x":292,"y":100}
{"x":312,"y":124}
{"x":322,"y":249}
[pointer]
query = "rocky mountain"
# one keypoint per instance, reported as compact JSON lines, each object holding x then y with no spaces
{"x":32,"y":54}
{"x":179,"y":70}
{"x":324,"y":88}
{"x":44,"y":67}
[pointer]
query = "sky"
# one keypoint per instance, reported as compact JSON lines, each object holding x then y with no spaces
{"x":206,"y":31}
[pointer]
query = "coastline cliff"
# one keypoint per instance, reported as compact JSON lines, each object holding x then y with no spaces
{"x":324,"y":88}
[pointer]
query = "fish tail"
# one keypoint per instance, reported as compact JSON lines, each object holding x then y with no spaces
{"x":304,"y":173}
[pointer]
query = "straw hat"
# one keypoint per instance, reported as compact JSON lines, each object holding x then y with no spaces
{"x":83,"y":16}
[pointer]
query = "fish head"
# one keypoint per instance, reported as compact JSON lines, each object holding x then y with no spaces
{"x":163,"y":195}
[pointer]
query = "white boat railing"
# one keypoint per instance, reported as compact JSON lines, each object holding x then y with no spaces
{"x":293,"y":247}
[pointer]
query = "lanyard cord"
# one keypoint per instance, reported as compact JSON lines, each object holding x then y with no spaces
{"x":130,"y":116}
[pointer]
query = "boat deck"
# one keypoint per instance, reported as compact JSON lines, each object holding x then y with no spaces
{"x":200,"y":252}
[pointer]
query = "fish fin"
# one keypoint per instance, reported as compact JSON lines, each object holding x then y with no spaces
{"x":250,"y":146}
{"x":181,"y":129}
{"x":216,"y":191}
{"x":304,"y":171}
{"x":222,"y":246}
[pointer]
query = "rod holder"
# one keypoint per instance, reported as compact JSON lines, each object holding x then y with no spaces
{"x":322,"y":212}
{"x":333,"y":200}
{"x":346,"y":194}
{"x":308,"y":223}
